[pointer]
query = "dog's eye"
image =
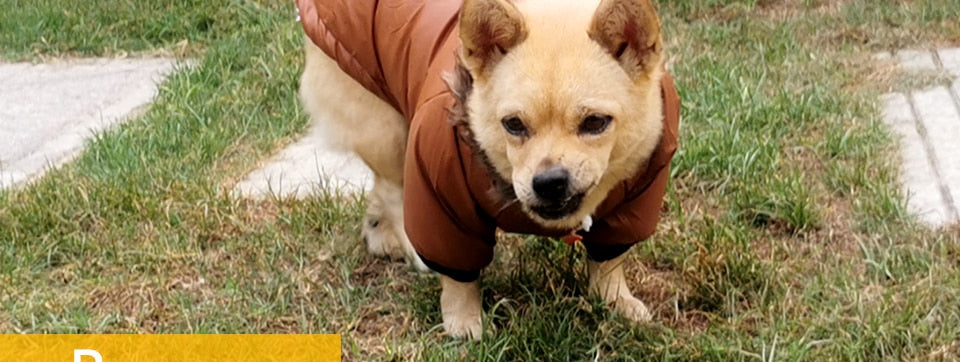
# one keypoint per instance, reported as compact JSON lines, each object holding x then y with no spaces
{"x":594,"y":124}
{"x":514,"y":126}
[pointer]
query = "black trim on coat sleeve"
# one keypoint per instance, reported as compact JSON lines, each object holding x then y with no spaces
{"x":463,"y":276}
{"x":599,"y":252}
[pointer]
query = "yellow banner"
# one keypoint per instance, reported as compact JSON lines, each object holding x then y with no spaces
{"x":169,"y":347}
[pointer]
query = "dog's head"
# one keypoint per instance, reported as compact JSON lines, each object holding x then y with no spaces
{"x":565,"y":101}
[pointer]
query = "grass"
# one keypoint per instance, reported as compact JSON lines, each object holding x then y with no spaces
{"x":785,"y":235}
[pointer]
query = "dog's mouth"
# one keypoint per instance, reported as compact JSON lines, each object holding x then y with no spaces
{"x":556,"y":210}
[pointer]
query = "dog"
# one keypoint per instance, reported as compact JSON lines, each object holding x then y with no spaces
{"x":548,"y":117}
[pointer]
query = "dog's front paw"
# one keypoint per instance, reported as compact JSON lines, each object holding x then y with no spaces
{"x":462,"y":326}
{"x":460,"y":306}
{"x":607,"y":281}
{"x":631,"y":308}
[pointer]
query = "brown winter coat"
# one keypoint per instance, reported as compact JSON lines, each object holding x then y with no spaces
{"x":399,"y":49}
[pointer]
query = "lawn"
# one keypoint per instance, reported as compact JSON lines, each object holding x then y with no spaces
{"x":784,"y":235}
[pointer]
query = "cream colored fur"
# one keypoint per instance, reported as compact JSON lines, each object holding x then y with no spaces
{"x":553,"y":73}
{"x":460,"y":307}
{"x":583,"y":79}
{"x":607,"y":282}
{"x":350,"y":112}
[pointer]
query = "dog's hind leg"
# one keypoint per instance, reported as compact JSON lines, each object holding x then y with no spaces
{"x":607,"y":281}
{"x":357,"y":120}
{"x":383,"y":223}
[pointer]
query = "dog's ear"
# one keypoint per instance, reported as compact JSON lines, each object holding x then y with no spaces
{"x":488,"y":29}
{"x":630,"y":31}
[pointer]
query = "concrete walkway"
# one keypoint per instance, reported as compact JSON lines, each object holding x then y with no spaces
{"x":305,"y":167}
{"x":48,"y":111}
{"x":928,"y":123}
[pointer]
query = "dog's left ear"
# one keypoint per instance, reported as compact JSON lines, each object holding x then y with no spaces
{"x":488,"y":29}
{"x":630,"y":31}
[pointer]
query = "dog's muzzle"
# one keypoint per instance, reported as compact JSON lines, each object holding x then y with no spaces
{"x":555,"y":199}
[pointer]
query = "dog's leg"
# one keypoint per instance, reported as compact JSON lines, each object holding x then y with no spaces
{"x":378,"y":224}
{"x":383,"y":229}
{"x":356,"y":120}
{"x":607,"y":281}
{"x":460,"y":306}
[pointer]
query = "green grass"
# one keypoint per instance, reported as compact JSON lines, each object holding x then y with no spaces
{"x":785,"y":238}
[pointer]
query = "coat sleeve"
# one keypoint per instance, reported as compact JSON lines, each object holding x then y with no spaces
{"x":636,"y":219}
{"x":631,"y":222}
{"x":442,"y":219}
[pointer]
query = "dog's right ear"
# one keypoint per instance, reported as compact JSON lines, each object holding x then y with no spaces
{"x":488,"y":29}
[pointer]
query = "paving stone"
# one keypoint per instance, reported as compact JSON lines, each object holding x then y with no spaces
{"x":950,"y":58}
{"x":48,"y":110}
{"x":897,"y":112}
{"x":955,"y":89}
{"x":305,"y":168}
{"x":927,"y":123}
{"x":939,"y":116}
{"x":915,"y":60}
{"x":924,"y":198}
{"x":883,"y":56}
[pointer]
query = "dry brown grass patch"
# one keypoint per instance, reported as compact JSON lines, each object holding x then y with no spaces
{"x":787,"y":9}
{"x":662,"y":291}
{"x":139,"y":306}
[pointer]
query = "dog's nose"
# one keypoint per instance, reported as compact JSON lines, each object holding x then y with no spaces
{"x":552,"y":184}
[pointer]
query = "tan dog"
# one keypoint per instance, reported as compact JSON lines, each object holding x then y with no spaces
{"x":558,"y":104}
